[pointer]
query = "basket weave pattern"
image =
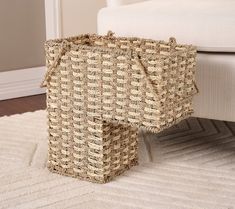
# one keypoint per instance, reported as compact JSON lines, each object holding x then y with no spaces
{"x":101,"y":89}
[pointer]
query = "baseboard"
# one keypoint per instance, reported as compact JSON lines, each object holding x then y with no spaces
{"x":20,"y":83}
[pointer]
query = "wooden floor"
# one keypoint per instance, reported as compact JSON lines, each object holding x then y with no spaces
{"x":23,"y":104}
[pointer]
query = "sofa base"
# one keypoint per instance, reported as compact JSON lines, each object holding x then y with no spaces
{"x":215,"y":76}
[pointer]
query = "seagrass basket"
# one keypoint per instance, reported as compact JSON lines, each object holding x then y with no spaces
{"x":101,"y":89}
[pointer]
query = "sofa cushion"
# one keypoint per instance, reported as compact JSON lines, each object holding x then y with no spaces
{"x":208,"y":24}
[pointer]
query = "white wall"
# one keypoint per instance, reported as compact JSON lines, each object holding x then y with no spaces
{"x":79,"y":16}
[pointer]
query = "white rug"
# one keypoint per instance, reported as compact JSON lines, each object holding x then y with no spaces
{"x":191,"y":166}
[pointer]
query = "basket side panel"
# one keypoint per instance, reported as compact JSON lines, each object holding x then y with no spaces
{"x":80,"y":143}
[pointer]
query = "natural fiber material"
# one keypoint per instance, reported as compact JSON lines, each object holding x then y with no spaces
{"x":127,"y":82}
{"x":92,"y":150}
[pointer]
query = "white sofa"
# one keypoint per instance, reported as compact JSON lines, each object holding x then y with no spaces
{"x":208,"y":24}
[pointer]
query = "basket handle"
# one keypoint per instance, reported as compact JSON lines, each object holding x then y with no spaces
{"x":144,"y":73}
{"x":173,"y":43}
{"x":110,"y":34}
{"x":149,"y":82}
{"x":65,"y":45}
{"x":196,"y":88}
{"x":63,"y":48}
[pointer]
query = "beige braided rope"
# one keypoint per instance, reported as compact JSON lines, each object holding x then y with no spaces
{"x":65,"y":45}
{"x":62,"y":50}
{"x":101,"y":89}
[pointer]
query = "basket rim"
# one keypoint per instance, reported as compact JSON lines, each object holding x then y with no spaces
{"x":129,"y":53}
{"x":72,"y":39}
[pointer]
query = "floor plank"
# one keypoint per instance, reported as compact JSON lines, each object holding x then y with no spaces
{"x":23,"y":104}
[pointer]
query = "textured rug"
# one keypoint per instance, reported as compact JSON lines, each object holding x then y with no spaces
{"x":190,"y":166}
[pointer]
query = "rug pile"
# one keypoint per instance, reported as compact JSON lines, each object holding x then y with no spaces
{"x":190,"y":166}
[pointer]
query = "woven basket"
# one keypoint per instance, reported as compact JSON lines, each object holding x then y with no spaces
{"x":100,"y":89}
